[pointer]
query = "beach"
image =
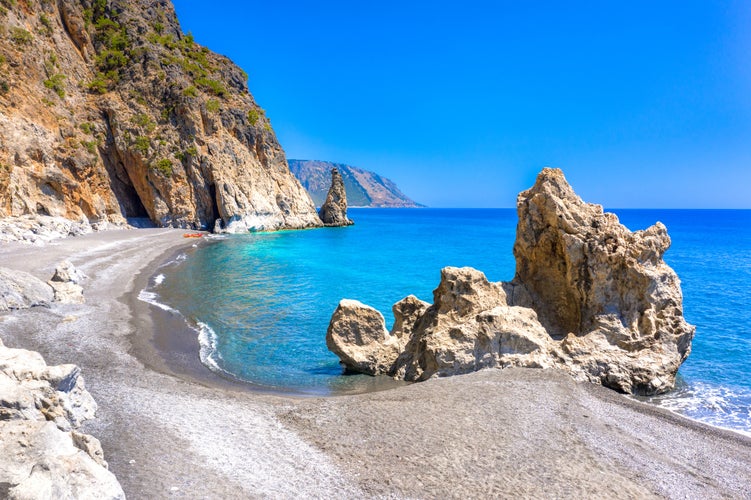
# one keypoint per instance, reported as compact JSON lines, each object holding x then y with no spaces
{"x":171,"y":428}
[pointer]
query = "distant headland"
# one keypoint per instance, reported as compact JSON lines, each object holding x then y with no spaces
{"x":364,"y":188}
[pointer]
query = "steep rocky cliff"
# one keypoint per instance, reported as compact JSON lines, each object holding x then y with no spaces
{"x":364,"y":188}
{"x":589,"y":297}
{"x":109,"y":111}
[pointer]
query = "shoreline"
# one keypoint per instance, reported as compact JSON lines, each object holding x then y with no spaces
{"x":529,"y":432}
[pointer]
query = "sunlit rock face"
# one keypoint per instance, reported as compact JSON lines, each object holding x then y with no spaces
{"x":589,"y":296}
{"x":109,"y":112}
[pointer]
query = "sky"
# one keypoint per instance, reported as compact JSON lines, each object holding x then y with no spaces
{"x":643,"y":104}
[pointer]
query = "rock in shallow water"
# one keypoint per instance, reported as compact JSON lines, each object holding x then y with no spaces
{"x":333,"y":212}
{"x":589,"y":296}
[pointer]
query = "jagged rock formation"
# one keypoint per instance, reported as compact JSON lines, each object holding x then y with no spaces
{"x":333,"y":212}
{"x":65,"y":284}
{"x":364,"y":188}
{"x":108,"y":111}
{"x":589,"y":296}
{"x":41,"y":453}
{"x":20,"y":290}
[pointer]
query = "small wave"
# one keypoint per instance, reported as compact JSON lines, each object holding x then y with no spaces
{"x":719,"y":406}
{"x":209,"y":351}
{"x":158,"y":279}
{"x":151,"y":298}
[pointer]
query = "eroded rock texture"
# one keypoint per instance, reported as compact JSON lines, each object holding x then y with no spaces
{"x":589,"y":296}
{"x":41,"y":453}
{"x":333,"y":212}
{"x":109,"y":111}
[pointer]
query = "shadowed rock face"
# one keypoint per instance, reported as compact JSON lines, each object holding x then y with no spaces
{"x":589,"y":296}
{"x":334,"y":210}
{"x":108,"y":111}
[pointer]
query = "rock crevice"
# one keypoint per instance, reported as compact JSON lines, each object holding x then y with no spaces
{"x":589,"y":296}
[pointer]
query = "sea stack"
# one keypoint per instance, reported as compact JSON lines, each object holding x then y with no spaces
{"x":333,"y":212}
{"x":589,"y":297}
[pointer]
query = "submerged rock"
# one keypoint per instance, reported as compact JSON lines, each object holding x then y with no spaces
{"x":333,"y":212}
{"x":589,"y":296}
{"x":41,"y":455}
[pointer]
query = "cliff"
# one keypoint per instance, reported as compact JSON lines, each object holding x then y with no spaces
{"x":108,"y":111}
{"x":364,"y":188}
{"x":589,"y":297}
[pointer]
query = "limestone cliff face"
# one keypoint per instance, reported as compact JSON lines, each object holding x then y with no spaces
{"x":108,"y":111}
{"x":589,"y":297}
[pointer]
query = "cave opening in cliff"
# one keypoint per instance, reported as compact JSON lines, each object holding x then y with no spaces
{"x":214,"y":204}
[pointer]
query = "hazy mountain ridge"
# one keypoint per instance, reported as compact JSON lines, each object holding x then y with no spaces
{"x":364,"y":188}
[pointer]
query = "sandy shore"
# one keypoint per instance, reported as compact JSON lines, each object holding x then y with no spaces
{"x":171,"y":428}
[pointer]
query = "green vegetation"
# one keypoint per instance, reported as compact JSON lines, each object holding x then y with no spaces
{"x":46,"y":23}
{"x":56,"y":82}
{"x":142,"y":144}
{"x":212,"y":86}
{"x":114,"y":56}
{"x":212,"y":105}
{"x":20,"y":36}
{"x":90,"y":146}
{"x":253,"y":116}
{"x":164,"y":167}
{"x":87,"y":128}
{"x":192,"y":151}
{"x":145,"y":121}
{"x":4,"y":87}
{"x":2,"y":59}
{"x":159,"y":27}
{"x":191,"y":91}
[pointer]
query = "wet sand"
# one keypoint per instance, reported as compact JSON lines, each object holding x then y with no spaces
{"x":171,"y":428}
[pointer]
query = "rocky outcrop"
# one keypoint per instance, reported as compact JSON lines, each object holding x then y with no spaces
{"x":41,"y":453}
{"x":20,"y":290}
{"x":108,"y":111}
{"x":589,"y":296}
{"x":364,"y":188}
{"x":65,"y":284}
{"x":333,"y":212}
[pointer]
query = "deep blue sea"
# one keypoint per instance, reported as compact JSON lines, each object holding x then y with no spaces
{"x":262,"y":301}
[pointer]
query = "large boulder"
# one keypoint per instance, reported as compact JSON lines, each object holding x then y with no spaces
{"x":589,"y":296}
{"x":20,"y":290}
{"x":333,"y":212}
{"x":65,"y":283}
{"x":41,"y":453}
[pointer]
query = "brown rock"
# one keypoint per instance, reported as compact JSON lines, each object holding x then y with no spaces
{"x":333,"y":212}
{"x":589,"y":297}
{"x":111,"y":112}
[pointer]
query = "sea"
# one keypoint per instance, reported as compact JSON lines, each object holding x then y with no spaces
{"x":260,"y":303}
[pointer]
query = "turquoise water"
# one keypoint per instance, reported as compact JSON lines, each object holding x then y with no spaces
{"x":263,"y":301}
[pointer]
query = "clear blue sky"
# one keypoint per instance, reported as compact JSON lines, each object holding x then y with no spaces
{"x":641,"y":103}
